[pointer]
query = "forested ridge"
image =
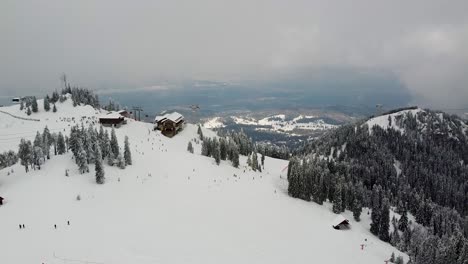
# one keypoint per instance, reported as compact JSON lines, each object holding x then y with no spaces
{"x":413,"y":160}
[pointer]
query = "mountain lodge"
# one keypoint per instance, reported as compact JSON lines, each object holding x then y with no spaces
{"x":112,"y":119}
{"x":169,"y":124}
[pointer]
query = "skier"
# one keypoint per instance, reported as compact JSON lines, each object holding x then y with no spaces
{"x":20,"y":226}
{"x":55,"y":226}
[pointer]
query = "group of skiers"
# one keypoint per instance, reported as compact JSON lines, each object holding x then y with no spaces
{"x":23,"y":226}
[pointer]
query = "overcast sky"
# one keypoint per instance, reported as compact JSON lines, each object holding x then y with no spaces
{"x":129,"y":44}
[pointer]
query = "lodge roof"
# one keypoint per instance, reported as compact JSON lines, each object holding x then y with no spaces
{"x":174,"y":117}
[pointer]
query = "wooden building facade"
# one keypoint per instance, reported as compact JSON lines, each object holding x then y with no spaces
{"x":169,"y":124}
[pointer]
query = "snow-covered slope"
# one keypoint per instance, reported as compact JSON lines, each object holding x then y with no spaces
{"x":389,"y":121}
{"x":170,"y":206}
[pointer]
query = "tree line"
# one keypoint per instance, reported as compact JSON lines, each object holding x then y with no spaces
{"x":419,"y":169}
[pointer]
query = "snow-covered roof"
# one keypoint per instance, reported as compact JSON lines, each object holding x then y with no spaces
{"x":112,"y":115}
{"x":338,"y":220}
{"x":174,"y":117}
{"x":122,"y":111}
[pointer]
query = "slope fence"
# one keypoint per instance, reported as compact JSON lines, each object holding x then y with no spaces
{"x":19,"y":117}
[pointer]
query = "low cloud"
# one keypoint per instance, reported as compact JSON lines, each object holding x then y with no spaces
{"x":117,"y":45}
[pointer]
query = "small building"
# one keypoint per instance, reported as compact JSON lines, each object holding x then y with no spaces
{"x":112,"y":119}
{"x":1,"y":200}
{"x":340,"y":222}
{"x":124,"y":113}
{"x":169,"y":124}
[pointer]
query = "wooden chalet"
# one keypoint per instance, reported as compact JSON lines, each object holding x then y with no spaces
{"x":169,"y":124}
{"x":124,"y":113}
{"x":340,"y":222}
{"x":112,"y":119}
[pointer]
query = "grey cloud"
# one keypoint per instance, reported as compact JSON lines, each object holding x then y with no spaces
{"x":124,"y":44}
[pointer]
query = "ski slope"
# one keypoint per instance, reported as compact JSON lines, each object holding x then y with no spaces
{"x":170,"y":206}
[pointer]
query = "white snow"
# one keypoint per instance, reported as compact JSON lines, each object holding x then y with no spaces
{"x":278,"y":123}
{"x":170,"y":206}
{"x":214,"y":122}
{"x":384,"y":123}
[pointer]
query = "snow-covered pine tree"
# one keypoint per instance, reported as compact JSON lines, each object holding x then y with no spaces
{"x":61,"y":149}
{"x":54,"y":109}
{"x":34,"y":105}
{"x":110,"y":157}
{"x":127,"y":152}
{"x":205,"y":147}
{"x":200,"y":132}
{"x":25,"y":153}
{"x":403,"y":221}
{"x":98,"y":166}
{"x":121,"y":161}
{"x":385,"y":221}
{"x":47,"y":103}
{"x":190,"y":147}
{"x":38,"y":157}
{"x":46,"y":142}
{"x":28,"y":111}
{"x":223,"y":148}
{"x":21,"y":104}
{"x":337,"y":198}
{"x":216,"y":151}
{"x":235,"y":157}
{"x":114,"y":144}
{"x":81,"y":158}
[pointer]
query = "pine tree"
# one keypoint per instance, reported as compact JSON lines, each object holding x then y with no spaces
{"x":392,"y":257}
{"x":28,"y":111}
{"x":127,"y":153}
{"x":38,"y":157}
{"x":25,"y":153}
{"x":205,"y":147}
{"x":357,"y":209}
{"x":110,"y":157}
{"x":34,"y":105}
{"x":47,"y":103}
{"x":200,"y":132}
{"x":54,"y":109}
{"x":403,"y":221}
{"x":235,"y":157}
{"x":98,"y":166}
{"x":114,"y":144}
{"x":190,"y":147}
{"x":81,"y":158}
{"x":121,"y":161}
{"x":216,"y":151}
{"x":375,"y":221}
{"x":263,"y":160}
{"x":223,"y":148}
{"x":61,"y":149}
{"x":337,"y":198}
{"x":21,"y":104}
{"x":46,"y":141}
{"x":385,"y":221}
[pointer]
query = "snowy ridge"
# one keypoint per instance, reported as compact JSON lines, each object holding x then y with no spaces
{"x":384,"y":122}
{"x":170,"y":206}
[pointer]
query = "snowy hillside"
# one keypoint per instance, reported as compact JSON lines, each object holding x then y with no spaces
{"x":170,"y":206}
{"x":276,"y":123}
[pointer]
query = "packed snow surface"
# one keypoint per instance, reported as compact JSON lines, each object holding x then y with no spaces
{"x":170,"y":206}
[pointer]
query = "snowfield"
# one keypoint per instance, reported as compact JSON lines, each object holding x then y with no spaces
{"x":170,"y":206}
